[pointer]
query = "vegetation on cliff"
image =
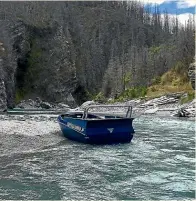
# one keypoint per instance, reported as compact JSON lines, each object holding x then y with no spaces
{"x":174,"y":80}
{"x":57,"y":50}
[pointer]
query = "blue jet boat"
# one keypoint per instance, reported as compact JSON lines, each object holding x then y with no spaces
{"x":93,"y":128}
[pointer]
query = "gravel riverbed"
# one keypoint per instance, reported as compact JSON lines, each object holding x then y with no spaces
{"x":27,"y":132}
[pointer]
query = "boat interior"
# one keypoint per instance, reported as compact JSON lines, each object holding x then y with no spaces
{"x":79,"y":115}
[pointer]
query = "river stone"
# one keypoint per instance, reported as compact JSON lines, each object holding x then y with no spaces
{"x":62,"y":106}
{"x":3,"y":97}
{"x":45,"y":105}
{"x":38,"y":100}
{"x":28,"y":104}
{"x":177,"y":95}
{"x":186,"y":110}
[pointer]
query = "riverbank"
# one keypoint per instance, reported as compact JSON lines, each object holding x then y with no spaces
{"x":44,"y":124}
{"x":167,"y":105}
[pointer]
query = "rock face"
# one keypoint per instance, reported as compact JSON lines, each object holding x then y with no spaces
{"x":8,"y":62}
{"x":67,"y":51}
{"x":191,"y":73}
{"x":36,"y":52}
{"x":3,"y":97}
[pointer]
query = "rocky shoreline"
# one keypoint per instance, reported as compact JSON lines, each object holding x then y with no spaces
{"x":42,"y":124}
{"x":168,"y":105}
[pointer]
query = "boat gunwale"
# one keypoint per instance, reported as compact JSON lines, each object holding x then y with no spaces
{"x":94,"y":119}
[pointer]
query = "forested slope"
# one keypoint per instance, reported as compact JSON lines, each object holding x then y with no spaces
{"x":63,"y":51}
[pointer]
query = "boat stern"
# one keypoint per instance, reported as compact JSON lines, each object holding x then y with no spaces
{"x":110,"y":131}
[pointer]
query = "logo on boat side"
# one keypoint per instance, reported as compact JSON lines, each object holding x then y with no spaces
{"x":110,"y":130}
{"x":75,"y":127}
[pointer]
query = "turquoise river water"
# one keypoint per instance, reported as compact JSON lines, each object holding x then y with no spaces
{"x":159,"y":164}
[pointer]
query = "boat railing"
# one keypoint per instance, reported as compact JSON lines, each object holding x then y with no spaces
{"x":128,"y":113}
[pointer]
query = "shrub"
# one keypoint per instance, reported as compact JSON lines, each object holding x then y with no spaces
{"x":19,"y":95}
{"x":167,"y":77}
{"x":130,"y":93}
{"x":155,"y":49}
{"x":179,"y":67}
{"x":190,"y":96}
{"x":156,"y":80}
{"x":100,"y":98}
{"x":127,"y":79}
{"x":153,"y":89}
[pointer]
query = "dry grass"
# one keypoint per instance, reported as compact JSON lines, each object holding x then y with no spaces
{"x":171,"y":82}
{"x":159,"y":90}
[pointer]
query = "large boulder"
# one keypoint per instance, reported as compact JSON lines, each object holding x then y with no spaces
{"x":3,"y":96}
{"x":45,"y":105}
{"x":28,"y":104}
{"x":186,"y":110}
{"x":34,"y":104}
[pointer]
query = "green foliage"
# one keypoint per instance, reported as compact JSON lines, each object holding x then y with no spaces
{"x":153,"y":89}
{"x":177,"y":76}
{"x":155,"y":49}
{"x":156,"y":80}
{"x":166,"y":78}
{"x":176,"y":82}
{"x":190,"y":96}
{"x":134,"y":92}
{"x":30,"y":72}
{"x":19,"y":95}
{"x":179,"y":67}
{"x":111,"y":101}
{"x":171,"y":47}
{"x":100,"y":98}
{"x":127,"y":79}
{"x":89,"y":96}
{"x":33,"y":65}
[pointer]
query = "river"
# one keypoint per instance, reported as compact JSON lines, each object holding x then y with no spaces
{"x":159,"y":164}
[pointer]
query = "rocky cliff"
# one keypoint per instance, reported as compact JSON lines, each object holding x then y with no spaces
{"x":191,"y":73}
{"x":64,"y":51}
{"x":3,"y":97}
{"x":37,"y":56}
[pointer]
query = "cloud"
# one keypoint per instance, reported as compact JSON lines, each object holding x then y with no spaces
{"x":153,"y":1}
{"x":186,"y":3}
{"x":183,"y":18}
{"x":180,"y":3}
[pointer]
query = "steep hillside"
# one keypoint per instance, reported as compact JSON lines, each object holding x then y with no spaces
{"x":68,"y":51}
{"x":174,"y":80}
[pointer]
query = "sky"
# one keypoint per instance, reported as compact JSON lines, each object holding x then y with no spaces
{"x":183,"y":8}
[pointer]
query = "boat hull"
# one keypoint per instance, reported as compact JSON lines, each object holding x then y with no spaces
{"x":97,"y":131}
